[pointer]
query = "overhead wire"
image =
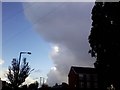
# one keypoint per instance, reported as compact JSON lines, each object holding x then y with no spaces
{"x":26,"y":28}
{"x":16,"y":13}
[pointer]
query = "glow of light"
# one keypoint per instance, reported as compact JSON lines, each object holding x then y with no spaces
{"x":53,"y":68}
{"x":56,"y":49}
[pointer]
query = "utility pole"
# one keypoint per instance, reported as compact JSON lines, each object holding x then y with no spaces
{"x":40,"y":81}
{"x":43,"y":80}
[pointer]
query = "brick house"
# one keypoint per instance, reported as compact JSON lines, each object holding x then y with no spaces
{"x":82,"y":78}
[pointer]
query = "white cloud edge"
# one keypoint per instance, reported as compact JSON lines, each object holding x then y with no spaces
{"x":28,"y":80}
{"x":1,"y":61}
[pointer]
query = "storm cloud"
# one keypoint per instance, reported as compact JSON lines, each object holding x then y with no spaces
{"x":67,"y":26}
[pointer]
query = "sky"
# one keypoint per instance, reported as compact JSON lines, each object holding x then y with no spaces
{"x":19,"y":35}
{"x":1,"y":61}
{"x":55,"y":33}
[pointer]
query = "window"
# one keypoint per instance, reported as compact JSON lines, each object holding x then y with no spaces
{"x":95,"y":85}
{"x":94,"y":77}
{"x":81,"y":77}
{"x":88,"y":85}
{"x":88,"y":78}
{"x":81,"y":84}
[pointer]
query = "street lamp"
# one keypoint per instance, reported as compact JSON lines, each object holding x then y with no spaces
{"x":42,"y":81}
{"x":21,"y":54}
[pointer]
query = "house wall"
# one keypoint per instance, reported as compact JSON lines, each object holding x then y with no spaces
{"x":86,"y":80}
{"x":72,"y":80}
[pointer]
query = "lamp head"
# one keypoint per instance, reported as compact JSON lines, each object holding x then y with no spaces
{"x":28,"y":52}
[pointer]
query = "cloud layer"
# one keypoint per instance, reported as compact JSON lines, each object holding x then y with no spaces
{"x":67,"y":26}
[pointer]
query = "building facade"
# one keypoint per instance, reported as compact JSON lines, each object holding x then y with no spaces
{"x":82,"y":78}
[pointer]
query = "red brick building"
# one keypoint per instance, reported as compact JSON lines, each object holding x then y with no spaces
{"x":82,"y":78}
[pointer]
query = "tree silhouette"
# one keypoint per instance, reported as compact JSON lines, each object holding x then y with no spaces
{"x":33,"y":86}
{"x":104,"y":41}
{"x":18,"y":73}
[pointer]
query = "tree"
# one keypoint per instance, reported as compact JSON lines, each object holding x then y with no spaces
{"x":18,"y":73}
{"x":104,"y":41}
{"x":33,"y":86}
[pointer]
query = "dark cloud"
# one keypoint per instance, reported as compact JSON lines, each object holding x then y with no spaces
{"x":66,"y":25}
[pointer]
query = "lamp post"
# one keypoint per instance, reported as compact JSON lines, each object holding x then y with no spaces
{"x":18,"y":69}
{"x":21,"y":54}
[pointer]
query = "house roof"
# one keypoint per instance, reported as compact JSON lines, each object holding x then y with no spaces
{"x":79,"y":70}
